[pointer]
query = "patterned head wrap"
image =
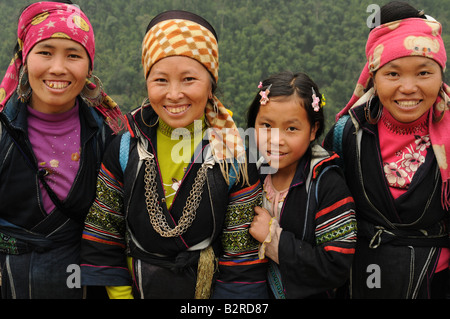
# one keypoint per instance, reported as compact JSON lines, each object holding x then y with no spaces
{"x":403,"y":38}
{"x":45,"y":20}
{"x":181,"y":33}
{"x":393,"y":40}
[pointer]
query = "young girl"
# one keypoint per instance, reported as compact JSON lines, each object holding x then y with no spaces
{"x":307,"y":223}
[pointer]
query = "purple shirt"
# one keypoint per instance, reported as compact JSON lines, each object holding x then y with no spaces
{"x":55,"y":139}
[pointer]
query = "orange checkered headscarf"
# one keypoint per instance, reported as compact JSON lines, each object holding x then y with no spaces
{"x":182,"y":33}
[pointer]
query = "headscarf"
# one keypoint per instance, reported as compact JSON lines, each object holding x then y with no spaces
{"x":181,"y":33}
{"x":44,"y":20}
{"x":403,"y":38}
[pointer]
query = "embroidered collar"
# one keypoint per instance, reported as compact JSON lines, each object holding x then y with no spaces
{"x":419,"y":126}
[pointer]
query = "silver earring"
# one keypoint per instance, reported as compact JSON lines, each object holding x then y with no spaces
{"x":23,"y":88}
{"x":93,"y":97}
{"x":143,"y":106}
{"x":367,"y":111}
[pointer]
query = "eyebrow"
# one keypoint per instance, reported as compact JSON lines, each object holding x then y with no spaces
{"x":396,"y":66}
{"x":49,"y":46}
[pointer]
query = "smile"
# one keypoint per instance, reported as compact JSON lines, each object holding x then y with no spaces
{"x":58,"y":85}
{"x":275,"y":154}
{"x":177,"y":109}
{"x":408,"y":104}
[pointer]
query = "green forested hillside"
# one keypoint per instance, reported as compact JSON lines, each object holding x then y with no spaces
{"x":323,"y":38}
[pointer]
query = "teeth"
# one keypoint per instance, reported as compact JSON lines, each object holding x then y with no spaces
{"x":276,"y":153}
{"x":408,"y":103}
{"x":176,"y":110}
{"x":57,"y":84}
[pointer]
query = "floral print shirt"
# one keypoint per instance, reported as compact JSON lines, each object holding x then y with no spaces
{"x":403,"y":149}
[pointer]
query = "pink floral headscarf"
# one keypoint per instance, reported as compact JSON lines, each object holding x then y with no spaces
{"x":44,"y":20}
{"x":403,"y":38}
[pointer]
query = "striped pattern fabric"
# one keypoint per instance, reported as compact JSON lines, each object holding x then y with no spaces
{"x":104,"y":224}
{"x":178,"y":37}
{"x":336,"y":227}
{"x":239,"y":246}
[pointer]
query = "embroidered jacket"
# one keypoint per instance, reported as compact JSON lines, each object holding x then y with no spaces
{"x":118,"y":223}
{"x":318,"y":230}
{"x":400,"y":236}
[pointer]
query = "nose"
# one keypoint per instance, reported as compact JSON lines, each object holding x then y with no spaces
{"x":408,"y":85}
{"x":174,"y":92}
{"x":276,"y":137}
{"x":58,"y":65}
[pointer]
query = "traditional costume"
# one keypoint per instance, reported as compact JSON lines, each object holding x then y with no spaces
{"x":313,"y":230}
{"x":48,"y":165}
{"x":157,"y":222}
{"x":397,"y":173}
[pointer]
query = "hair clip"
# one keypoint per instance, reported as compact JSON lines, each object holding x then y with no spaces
{"x":316,"y":101}
{"x":264,"y":94}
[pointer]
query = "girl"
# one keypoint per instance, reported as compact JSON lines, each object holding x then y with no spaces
{"x":52,"y":142}
{"x":393,"y":135}
{"x":154,"y":229}
{"x":306,"y":225}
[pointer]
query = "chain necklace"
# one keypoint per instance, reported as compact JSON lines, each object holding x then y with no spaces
{"x":155,"y":212}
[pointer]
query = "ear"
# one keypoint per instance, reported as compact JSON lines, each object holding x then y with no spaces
{"x":314,"y":129}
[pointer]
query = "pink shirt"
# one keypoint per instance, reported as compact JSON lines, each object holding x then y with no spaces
{"x":403,"y":149}
{"x":55,"y":139}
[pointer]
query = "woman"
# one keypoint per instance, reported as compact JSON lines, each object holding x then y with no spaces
{"x":162,"y":202}
{"x":394,"y":149}
{"x":52,"y":142}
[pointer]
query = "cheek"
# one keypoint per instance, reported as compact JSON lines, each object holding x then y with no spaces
{"x":261,"y":138}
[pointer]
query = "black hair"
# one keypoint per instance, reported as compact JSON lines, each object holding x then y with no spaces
{"x":399,"y":10}
{"x":286,"y":84}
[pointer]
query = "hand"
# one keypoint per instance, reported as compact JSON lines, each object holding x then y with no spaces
{"x":259,"y":228}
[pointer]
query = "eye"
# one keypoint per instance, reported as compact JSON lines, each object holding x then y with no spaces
{"x":45,"y":53}
{"x":424,"y":73}
{"x":392,"y":74}
{"x":189,"y":79}
{"x":74,"y":56}
{"x":291,"y":129}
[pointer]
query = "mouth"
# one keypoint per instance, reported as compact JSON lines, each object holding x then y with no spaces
{"x":276,"y":154}
{"x":57,"y":85}
{"x":408,"y":104}
{"x":177,"y":109}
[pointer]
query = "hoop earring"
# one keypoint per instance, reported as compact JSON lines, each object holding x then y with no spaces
{"x":367,"y":112}
{"x":93,"y":97}
{"x":446,"y":105}
{"x":143,"y":106}
{"x":23,"y":88}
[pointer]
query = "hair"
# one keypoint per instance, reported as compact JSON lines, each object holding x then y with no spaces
{"x":399,"y":10}
{"x":286,"y":84}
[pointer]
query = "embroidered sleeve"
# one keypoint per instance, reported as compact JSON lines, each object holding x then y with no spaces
{"x":103,"y":239}
{"x":239,"y":263}
{"x":238,"y":244}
